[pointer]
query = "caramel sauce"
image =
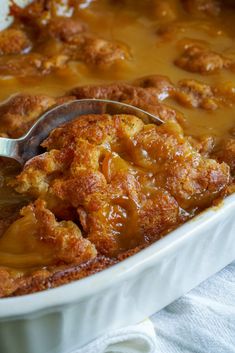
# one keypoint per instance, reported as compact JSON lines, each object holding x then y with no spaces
{"x":19,"y":250}
{"x":151,"y":54}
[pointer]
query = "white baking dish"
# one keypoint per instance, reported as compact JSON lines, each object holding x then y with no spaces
{"x":60,"y":319}
{"x":5,"y":18}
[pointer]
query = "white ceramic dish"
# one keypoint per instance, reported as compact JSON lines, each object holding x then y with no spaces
{"x":5,"y":19}
{"x":67,"y":317}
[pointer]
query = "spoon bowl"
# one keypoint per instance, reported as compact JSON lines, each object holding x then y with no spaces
{"x":28,"y":146}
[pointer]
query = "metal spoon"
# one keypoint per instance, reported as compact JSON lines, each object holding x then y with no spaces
{"x":28,"y":146}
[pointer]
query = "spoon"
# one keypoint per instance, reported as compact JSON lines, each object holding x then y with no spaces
{"x":28,"y":146}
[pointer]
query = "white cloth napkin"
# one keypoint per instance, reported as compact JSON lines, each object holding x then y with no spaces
{"x":132,"y":339}
{"x":203,"y":321}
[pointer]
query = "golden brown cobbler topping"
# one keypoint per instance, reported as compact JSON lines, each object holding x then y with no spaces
{"x":108,"y":186}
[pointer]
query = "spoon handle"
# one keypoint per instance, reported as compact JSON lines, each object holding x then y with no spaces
{"x":10,"y":148}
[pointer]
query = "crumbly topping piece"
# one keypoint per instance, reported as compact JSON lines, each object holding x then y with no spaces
{"x":13,"y":41}
{"x":226,"y":153}
{"x":146,"y":93}
{"x":199,"y":59}
{"x":202,"y":7}
{"x":19,"y":112}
